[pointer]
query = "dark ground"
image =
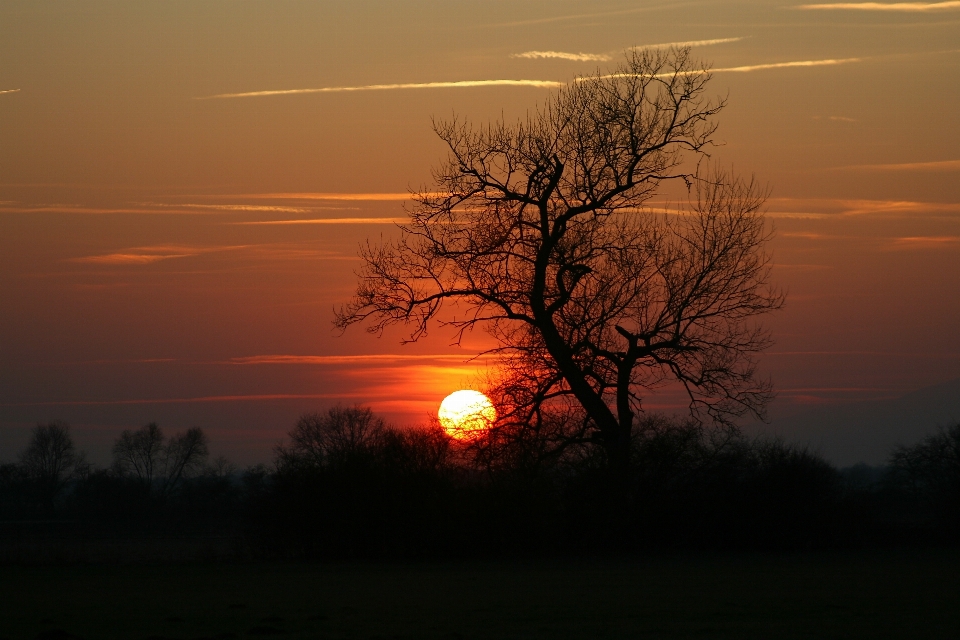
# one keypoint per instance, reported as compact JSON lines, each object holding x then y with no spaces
{"x":817,"y":595}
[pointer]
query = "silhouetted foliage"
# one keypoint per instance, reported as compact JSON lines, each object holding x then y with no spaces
{"x":161,"y":467}
{"x":49,"y":461}
{"x":347,"y":485}
{"x":929,"y":472}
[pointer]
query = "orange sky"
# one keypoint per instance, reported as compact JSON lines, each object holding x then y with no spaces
{"x":170,"y":255}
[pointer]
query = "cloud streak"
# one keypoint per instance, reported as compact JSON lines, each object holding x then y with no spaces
{"x":201,"y":399}
{"x":10,"y":91}
{"x":546,"y":84}
{"x":924,"y":242}
{"x":326,"y":221}
{"x":784,"y":65}
{"x":910,"y":7}
{"x":940,"y":165}
{"x":829,"y":208}
{"x":130,"y":258}
{"x":562,"y":55}
{"x":605,"y":57}
{"x":351,"y":359}
{"x":149,"y":255}
{"x":235,"y":207}
{"x":747,"y":68}
{"x":373,"y":197}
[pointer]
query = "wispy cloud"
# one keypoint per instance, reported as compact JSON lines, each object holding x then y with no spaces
{"x":784,"y":65}
{"x":149,"y":255}
{"x":562,"y":55}
{"x":10,"y":91}
{"x":924,"y":242}
{"x":603,"y":57}
{"x":751,"y":67}
{"x":327,"y":221}
{"x":130,"y":258}
{"x":807,"y":235}
{"x":830,"y":207}
{"x":319,"y":196}
{"x":351,"y":359}
{"x":940,"y":165}
{"x":548,"y":84}
{"x":201,"y":399}
{"x":884,"y":6}
{"x":235,"y":207}
{"x":154,"y":208}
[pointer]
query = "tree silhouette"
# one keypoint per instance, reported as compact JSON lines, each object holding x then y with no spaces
{"x":50,"y":459}
{"x":332,"y":438}
{"x":543,"y":233}
{"x":161,"y":467}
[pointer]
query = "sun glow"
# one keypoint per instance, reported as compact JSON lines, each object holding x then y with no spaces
{"x":465,"y":413}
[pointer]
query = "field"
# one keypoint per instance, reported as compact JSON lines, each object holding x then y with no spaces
{"x":876,"y":595}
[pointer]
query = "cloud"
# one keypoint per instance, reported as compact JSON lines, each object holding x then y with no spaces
{"x":320,"y":196}
{"x":924,"y":242}
{"x":149,"y":255}
{"x":156,"y":208}
{"x":604,"y":57}
{"x":884,"y":6}
{"x":327,"y":221}
{"x":351,"y":359}
{"x":580,"y":57}
{"x":746,"y":68}
{"x":807,"y":235}
{"x":830,"y":207}
{"x":940,"y":165}
{"x":687,"y":43}
{"x":233,"y":398}
{"x":784,"y":65}
{"x":10,"y":91}
{"x":550,"y":84}
{"x":130,"y":258}
{"x":237,"y":207}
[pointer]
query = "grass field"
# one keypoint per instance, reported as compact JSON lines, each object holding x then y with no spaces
{"x":874,"y":595}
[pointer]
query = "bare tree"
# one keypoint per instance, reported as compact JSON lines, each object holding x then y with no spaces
{"x":140,"y":453}
{"x":543,"y":233}
{"x":162,"y":467}
{"x":50,"y":458}
{"x":320,"y":439}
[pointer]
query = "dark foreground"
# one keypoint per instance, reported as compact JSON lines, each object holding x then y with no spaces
{"x":871,"y":594}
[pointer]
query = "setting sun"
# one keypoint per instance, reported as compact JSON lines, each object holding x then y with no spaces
{"x":464,"y":413}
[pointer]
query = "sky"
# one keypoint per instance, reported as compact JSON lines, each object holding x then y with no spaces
{"x":184,"y":187}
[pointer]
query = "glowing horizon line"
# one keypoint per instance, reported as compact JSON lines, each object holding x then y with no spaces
{"x":553,"y":84}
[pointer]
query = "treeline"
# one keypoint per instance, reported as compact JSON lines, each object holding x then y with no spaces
{"x":346,"y":485}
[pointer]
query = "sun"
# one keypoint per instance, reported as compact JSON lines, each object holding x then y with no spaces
{"x":465,"y":413}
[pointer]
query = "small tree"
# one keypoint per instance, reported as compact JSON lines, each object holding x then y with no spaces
{"x":50,"y":459}
{"x":543,"y":233}
{"x":331,"y":438}
{"x":161,"y":467}
{"x":930,"y":471}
